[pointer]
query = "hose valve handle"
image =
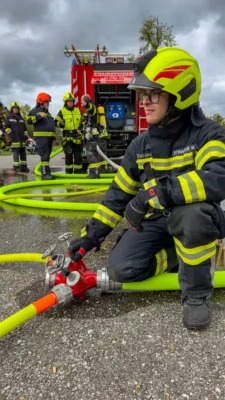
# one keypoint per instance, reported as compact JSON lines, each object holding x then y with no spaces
{"x":65,"y":237}
{"x":49,"y":252}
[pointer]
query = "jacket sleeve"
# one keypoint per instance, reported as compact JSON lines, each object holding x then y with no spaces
{"x":81,"y":126}
{"x":59,"y":120}
{"x":207,"y":181}
{"x":7,"y":125}
{"x":123,"y":188}
{"x":33,"y":117}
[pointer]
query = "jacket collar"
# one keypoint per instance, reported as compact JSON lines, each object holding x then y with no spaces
{"x":175,"y":128}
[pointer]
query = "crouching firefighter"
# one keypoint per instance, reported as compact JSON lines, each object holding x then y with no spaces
{"x":96,"y":133}
{"x":69,"y":118}
{"x":44,"y":131}
{"x":170,"y":185}
{"x":17,"y":135}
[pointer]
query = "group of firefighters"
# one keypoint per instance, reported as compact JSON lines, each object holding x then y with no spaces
{"x":76,"y":127}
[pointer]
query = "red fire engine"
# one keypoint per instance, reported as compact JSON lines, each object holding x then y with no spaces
{"x":105,"y":77}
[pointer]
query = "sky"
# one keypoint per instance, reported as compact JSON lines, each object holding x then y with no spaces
{"x":34,"y":33}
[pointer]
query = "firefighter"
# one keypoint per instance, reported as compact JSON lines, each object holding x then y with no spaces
{"x":69,"y":118}
{"x":44,"y":132}
{"x":17,"y":135}
{"x":170,"y":185}
{"x":96,"y":133}
{"x":3,"y":137}
{"x":3,"y":114}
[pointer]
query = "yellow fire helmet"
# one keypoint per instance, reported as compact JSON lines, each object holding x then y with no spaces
{"x":68,"y":96}
{"x":169,"y":69}
{"x":14,"y":104}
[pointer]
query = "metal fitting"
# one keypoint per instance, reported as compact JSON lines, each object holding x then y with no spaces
{"x":105,"y":284}
{"x":65,"y":237}
{"x":49,"y":280}
{"x":73,"y":278}
{"x":49,"y":251}
{"x":63,"y":293}
{"x":66,"y":265}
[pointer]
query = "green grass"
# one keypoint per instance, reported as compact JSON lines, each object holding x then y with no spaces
{"x":5,"y":153}
{"x":9,"y":153}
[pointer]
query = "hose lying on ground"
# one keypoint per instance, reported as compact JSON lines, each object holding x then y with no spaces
{"x":52,"y":204}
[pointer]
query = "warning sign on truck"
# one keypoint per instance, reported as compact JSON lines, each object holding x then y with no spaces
{"x":111,"y":77}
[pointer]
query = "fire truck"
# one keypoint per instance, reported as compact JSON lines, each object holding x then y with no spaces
{"x":105,"y":77}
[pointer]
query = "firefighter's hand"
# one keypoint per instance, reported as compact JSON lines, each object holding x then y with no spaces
{"x":79,"y":247}
{"x":138,"y":207}
{"x":135,"y":213}
{"x":42,"y":114}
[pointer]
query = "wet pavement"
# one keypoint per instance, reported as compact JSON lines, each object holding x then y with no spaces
{"x":112,"y":347}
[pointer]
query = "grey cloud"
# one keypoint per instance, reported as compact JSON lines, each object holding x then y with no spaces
{"x":24,"y":11}
{"x":32,"y":54}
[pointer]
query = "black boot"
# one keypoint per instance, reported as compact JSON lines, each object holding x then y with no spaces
{"x":46,"y":173}
{"x":197,"y":313}
{"x":46,"y":177}
{"x":17,"y":169}
{"x":93,"y":174}
{"x":69,"y":170}
{"x":24,"y":168}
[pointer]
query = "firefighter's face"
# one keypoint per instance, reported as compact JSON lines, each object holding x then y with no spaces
{"x":70,"y":103}
{"x":155,"y":105}
{"x":46,"y":104}
{"x":15,"y":110}
{"x":83,"y":102}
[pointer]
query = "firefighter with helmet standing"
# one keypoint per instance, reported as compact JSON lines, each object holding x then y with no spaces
{"x":17,"y":135}
{"x":69,"y":118}
{"x":44,"y":132}
{"x":169,"y":186}
{"x":96,"y":133}
{"x":3,"y":137}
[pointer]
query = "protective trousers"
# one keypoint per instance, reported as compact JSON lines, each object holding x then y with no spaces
{"x":19,"y":158}
{"x":73,"y":157}
{"x":44,"y":149}
{"x":188,"y":237}
{"x":95,"y":162}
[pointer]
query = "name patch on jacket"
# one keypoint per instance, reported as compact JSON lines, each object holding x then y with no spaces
{"x":145,"y":155}
{"x":183,"y":150}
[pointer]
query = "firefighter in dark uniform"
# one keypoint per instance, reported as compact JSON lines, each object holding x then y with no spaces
{"x":96,"y":133}
{"x":69,"y":118}
{"x":44,"y":132}
{"x":3,"y":136}
{"x":170,"y":185}
{"x":17,"y":135}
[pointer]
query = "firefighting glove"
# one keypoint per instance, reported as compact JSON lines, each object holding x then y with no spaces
{"x":96,"y":233}
{"x":79,"y":247}
{"x":146,"y":200}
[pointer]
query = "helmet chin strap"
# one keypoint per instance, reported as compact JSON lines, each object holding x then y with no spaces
{"x":171,"y":114}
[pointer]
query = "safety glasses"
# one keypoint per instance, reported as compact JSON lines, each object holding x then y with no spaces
{"x":153,"y":96}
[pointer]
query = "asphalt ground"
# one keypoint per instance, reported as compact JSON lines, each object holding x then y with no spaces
{"x":122,"y":346}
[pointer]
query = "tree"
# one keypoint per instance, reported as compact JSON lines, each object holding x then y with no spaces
{"x":155,"y":34}
{"x":25,"y":111}
{"x":131,"y":57}
{"x":218,"y":118}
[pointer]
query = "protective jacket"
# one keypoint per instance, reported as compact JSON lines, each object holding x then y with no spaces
{"x":15,"y":128}
{"x":42,"y":126}
{"x":73,"y":122}
{"x":95,"y":118}
{"x":185,"y":161}
{"x":3,"y":114}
